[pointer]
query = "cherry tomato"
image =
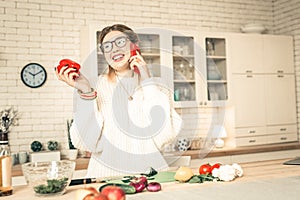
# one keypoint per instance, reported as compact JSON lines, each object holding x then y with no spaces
{"x":205,"y":169}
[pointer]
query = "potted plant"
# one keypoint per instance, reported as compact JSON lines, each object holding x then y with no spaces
{"x":72,"y":149}
{"x":39,"y":154}
{"x":52,"y":145}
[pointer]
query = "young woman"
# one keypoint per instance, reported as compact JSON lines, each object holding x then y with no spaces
{"x":128,"y":118}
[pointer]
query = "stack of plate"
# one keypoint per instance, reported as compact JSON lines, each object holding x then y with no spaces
{"x":253,"y":28}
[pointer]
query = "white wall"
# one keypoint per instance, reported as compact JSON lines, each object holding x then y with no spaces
{"x":46,"y":31}
{"x":287,"y":21}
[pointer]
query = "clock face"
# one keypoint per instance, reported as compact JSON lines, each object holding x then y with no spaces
{"x":33,"y":75}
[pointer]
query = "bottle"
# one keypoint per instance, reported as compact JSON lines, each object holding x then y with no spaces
{"x":5,"y":167}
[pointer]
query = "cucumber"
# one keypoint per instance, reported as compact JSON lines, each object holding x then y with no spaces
{"x":128,"y":189}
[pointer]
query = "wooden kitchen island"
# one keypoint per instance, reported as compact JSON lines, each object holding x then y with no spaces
{"x":261,"y":180}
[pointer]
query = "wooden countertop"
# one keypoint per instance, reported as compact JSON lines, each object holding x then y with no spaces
{"x":261,"y":180}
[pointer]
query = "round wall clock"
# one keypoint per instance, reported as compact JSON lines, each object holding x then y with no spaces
{"x":33,"y":75}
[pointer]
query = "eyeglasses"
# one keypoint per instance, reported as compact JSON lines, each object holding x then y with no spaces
{"x":120,"y":42}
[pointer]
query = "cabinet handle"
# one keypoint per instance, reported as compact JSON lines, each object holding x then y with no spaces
{"x":201,"y":103}
{"x":252,"y":141}
{"x":249,"y":76}
{"x":248,"y":71}
{"x":283,"y":138}
{"x":251,"y":131}
{"x":280,"y":76}
{"x":280,"y":71}
{"x":283,"y":129}
{"x":205,"y":103}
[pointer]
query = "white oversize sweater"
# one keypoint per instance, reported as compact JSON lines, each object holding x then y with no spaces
{"x":125,"y":137}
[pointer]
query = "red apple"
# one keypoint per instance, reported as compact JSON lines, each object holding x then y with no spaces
{"x":97,"y":196}
{"x":83,"y":192}
{"x":114,"y":193}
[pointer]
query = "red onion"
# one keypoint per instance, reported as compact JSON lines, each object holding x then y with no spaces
{"x":139,"y":183}
{"x":153,"y":187}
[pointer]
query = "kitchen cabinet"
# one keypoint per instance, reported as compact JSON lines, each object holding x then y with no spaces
{"x":246,"y":53}
{"x":215,"y":68}
{"x":249,"y":100}
{"x":280,"y":93}
{"x":256,"y":53}
{"x":278,"y":56}
{"x":183,"y":59}
{"x":251,"y":74}
{"x":262,"y":89}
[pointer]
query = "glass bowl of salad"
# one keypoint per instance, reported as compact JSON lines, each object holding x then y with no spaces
{"x":49,"y":178}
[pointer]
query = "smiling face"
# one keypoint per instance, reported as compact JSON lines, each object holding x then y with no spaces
{"x":119,"y":55}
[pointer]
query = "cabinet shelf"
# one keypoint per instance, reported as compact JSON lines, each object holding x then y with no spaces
{"x":175,"y":55}
{"x":150,"y":54}
{"x":184,"y":81}
{"x":216,"y":57}
{"x":216,"y":81}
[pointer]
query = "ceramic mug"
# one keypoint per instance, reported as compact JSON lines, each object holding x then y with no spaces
{"x":22,"y":157}
{"x":15,"y":158}
{"x":169,"y":147}
{"x":183,"y":144}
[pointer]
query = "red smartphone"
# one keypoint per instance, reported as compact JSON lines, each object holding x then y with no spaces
{"x":133,"y":48}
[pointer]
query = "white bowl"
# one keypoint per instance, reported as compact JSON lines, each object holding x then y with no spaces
{"x":253,"y":28}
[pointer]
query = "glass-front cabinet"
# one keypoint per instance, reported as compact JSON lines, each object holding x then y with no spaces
{"x":193,"y":65}
{"x":183,"y":68}
{"x":215,"y":65}
{"x":150,"y":48}
{"x":216,"y":68}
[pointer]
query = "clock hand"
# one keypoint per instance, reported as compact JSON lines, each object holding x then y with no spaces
{"x":39,"y":72}
{"x":31,"y":74}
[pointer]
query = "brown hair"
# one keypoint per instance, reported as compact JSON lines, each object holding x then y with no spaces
{"x":132,"y":36}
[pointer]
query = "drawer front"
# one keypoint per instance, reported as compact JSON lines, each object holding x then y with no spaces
{"x":251,"y":141}
{"x":250,"y":131}
{"x":282,"y":129}
{"x":281,"y":138}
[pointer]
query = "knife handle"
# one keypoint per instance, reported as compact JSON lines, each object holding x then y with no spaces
{"x":81,"y":181}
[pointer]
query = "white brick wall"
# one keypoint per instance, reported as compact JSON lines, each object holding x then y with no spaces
{"x":287,"y":21}
{"x":46,"y":31}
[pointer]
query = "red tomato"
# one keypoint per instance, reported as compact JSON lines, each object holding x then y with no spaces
{"x":215,"y":166}
{"x":205,"y":169}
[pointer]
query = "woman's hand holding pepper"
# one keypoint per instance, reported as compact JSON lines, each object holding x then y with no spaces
{"x":73,"y":78}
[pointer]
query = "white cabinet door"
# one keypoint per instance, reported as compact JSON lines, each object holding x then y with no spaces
{"x":280,"y":99}
{"x":278,"y":54}
{"x":246,"y":53}
{"x":249,"y":100}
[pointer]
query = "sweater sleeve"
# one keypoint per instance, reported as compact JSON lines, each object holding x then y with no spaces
{"x":159,"y":95}
{"x":86,"y":128}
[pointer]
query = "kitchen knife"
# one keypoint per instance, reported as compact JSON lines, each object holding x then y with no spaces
{"x":86,"y":181}
{"x":94,"y":180}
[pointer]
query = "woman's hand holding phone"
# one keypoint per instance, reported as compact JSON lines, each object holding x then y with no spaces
{"x":138,"y":65}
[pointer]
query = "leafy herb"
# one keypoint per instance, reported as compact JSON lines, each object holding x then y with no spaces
{"x":151,"y":172}
{"x":202,"y":178}
{"x":53,"y":186}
